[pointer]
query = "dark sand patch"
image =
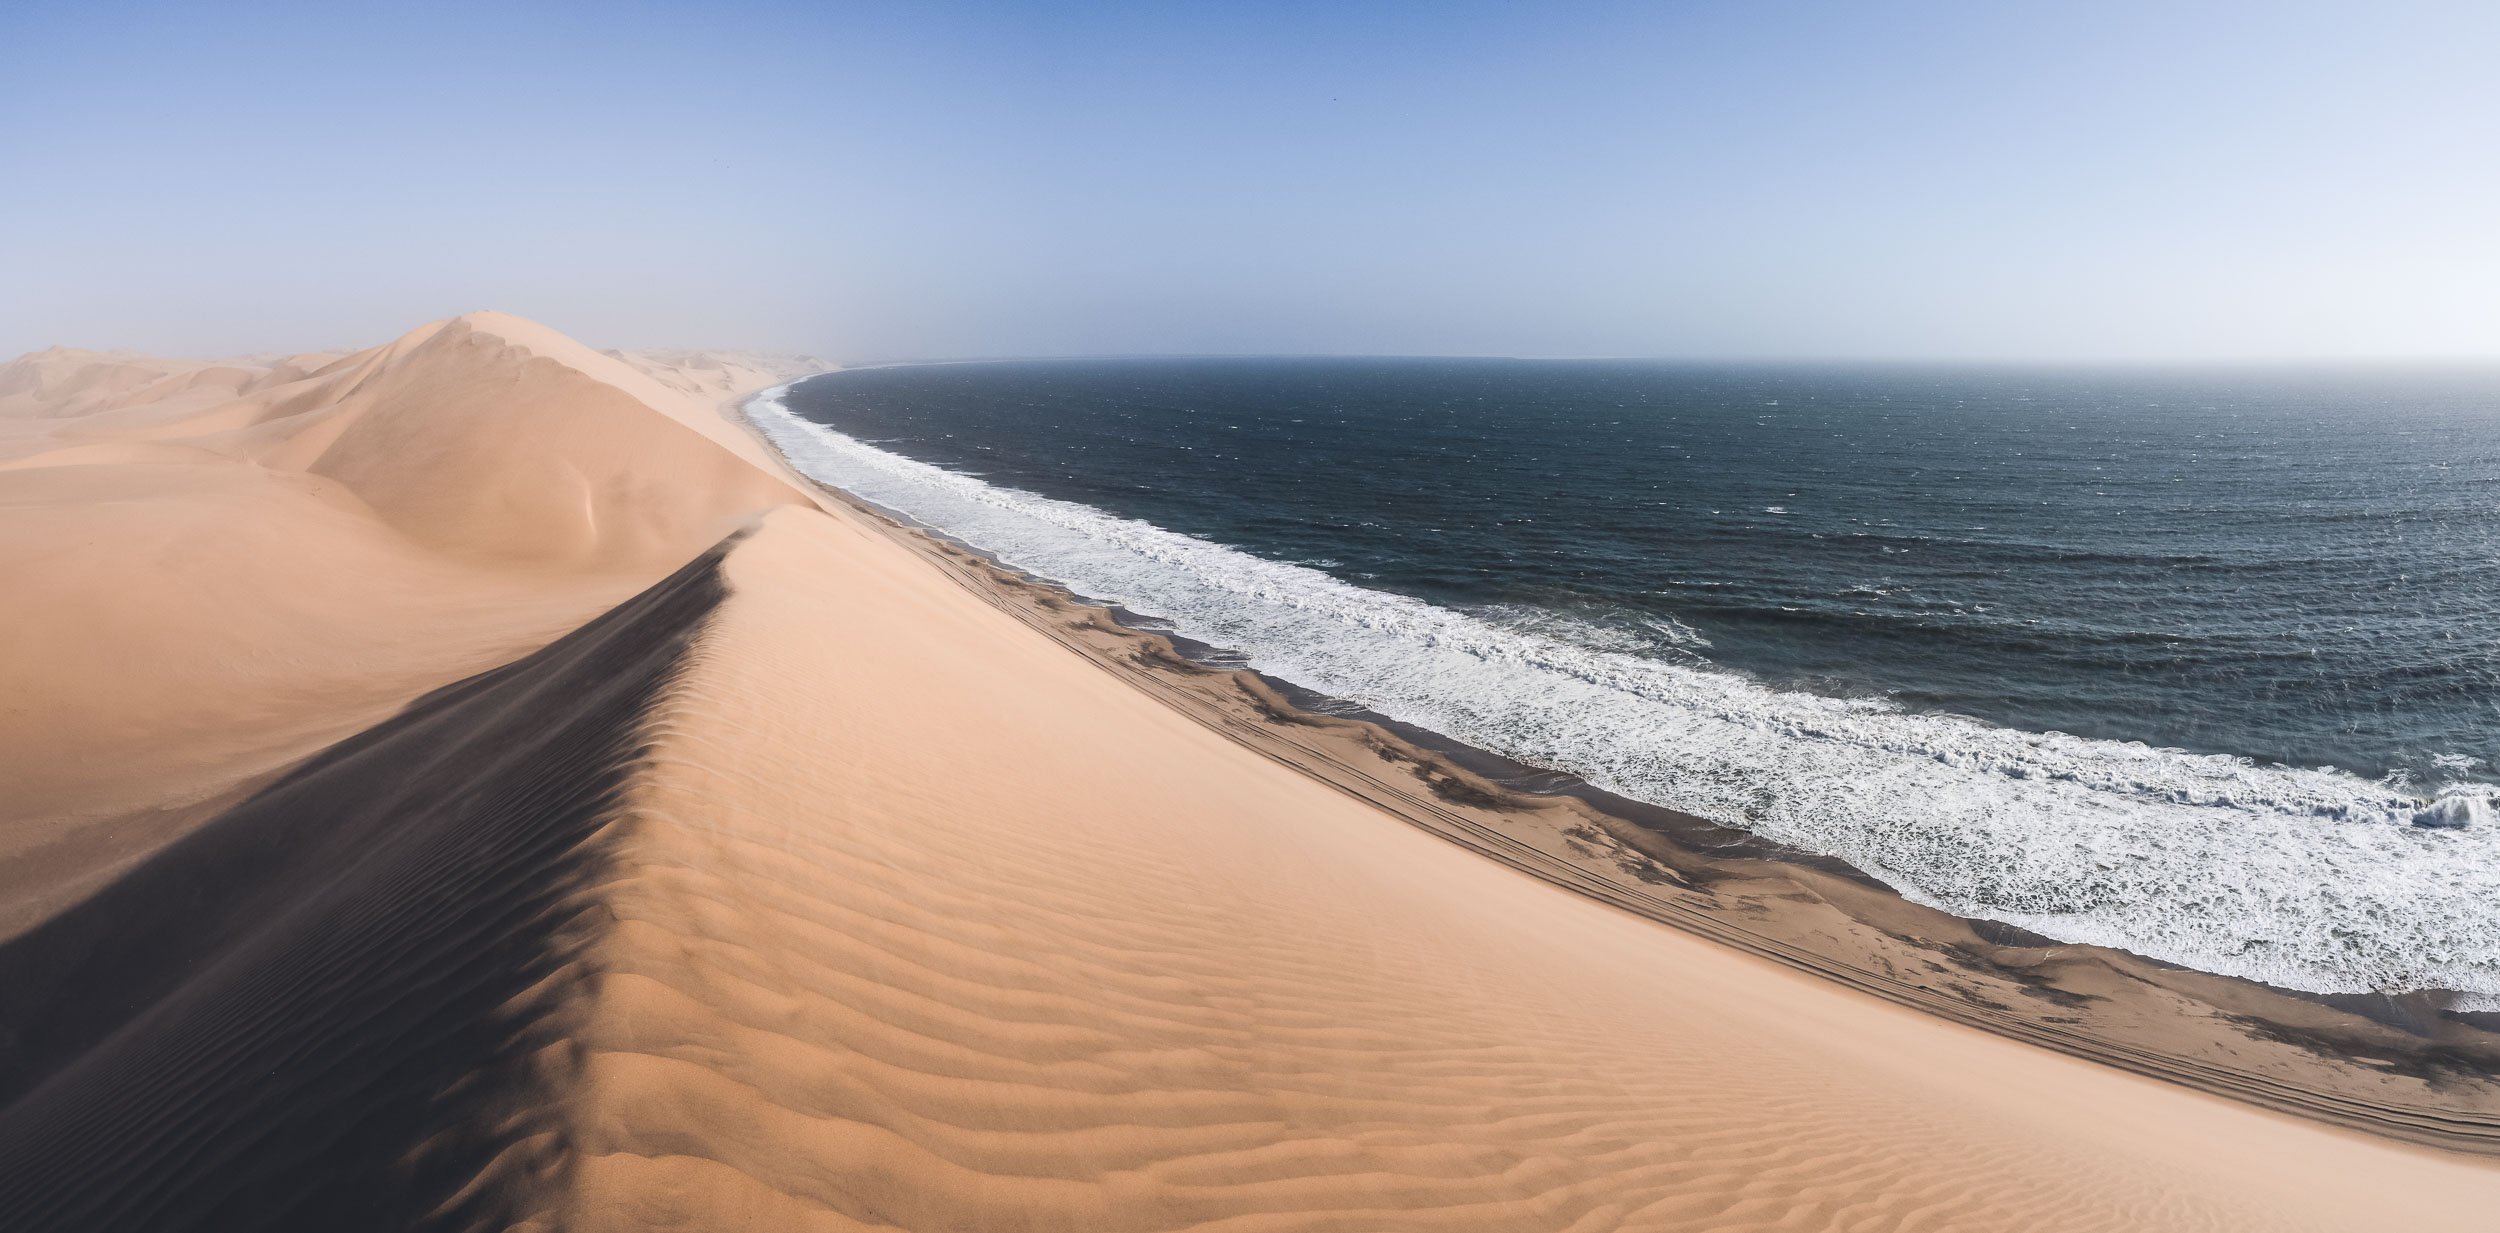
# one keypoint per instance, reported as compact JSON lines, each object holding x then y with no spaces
{"x":340,"y":1005}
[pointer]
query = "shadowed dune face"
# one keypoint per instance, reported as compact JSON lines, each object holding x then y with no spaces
{"x":808,"y":889}
{"x":216,"y":569}
{"x":342,"y":1004}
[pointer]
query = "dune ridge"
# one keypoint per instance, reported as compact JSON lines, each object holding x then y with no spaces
{"x":837,"y":881}
{"x":901,"y":944}
{"x":219,"y":567}
{"x":341,"y":1004}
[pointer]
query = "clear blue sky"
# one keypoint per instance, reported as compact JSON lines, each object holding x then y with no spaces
{"x":1987,"y":180}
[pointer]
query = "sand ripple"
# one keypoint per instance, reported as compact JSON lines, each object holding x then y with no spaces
{"x":920,"y":925}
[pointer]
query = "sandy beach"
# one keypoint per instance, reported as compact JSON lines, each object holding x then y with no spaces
{"x":472,"y":783}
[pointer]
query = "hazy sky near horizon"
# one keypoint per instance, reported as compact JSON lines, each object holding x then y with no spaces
{"x":876,"y":181}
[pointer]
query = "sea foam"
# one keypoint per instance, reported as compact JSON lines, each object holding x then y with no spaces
{"x":2309,"y":879}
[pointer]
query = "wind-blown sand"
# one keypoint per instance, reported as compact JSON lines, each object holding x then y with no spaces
{"x":817,"y":888}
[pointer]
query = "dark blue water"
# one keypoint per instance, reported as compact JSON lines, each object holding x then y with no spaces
{"x":1785,"y":585}
{"x":2302,"y":568}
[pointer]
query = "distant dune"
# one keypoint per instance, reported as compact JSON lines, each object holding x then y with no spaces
{"x":470,"y":784}
{"x":218,"y":568}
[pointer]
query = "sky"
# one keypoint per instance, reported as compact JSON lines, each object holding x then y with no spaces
{"x":1987,"y":181}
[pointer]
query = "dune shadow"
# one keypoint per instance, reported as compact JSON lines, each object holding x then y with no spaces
{"x":342,"y":1004}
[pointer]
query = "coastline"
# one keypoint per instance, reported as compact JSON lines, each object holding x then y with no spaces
{"x":840,"y":879}
{"x":2404,"y":1068}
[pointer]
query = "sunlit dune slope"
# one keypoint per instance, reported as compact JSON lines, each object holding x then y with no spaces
{"x":214,"y":569}
{"x":813,"y":887}
{"x":922,"y":923}
{"x":342,"y":1004}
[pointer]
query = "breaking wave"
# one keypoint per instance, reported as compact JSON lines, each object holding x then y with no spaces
{"x":2309,"y":879}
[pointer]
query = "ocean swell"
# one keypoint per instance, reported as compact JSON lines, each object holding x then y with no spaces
{"x":2308,"y":879}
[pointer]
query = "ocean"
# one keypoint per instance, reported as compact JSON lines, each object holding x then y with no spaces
{"x":2199,"y":663}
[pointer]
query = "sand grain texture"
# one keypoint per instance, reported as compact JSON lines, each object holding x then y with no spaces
{"x":216,"y":569}
{"x":403,"y":834}
{"x":342,"y":1004}
{"x":923,"y":925}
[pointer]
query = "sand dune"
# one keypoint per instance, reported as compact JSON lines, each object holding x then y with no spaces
{"x":814,"y":887}
{"x":719,"y":376}
{"x":67,"y":381}
{"x":342,"y":1004}
{"x":510,"y":444}
{"x":215,"y":569}
{"x":968,"y":934}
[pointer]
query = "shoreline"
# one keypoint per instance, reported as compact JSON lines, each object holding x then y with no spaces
{"x":817,"y":884}
{"x":2398,"y":1067}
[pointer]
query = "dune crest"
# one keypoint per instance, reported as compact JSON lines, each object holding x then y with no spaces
{"x":66,"y":381}
{"x":409,"y":836}
{"x":219,"y":567}
{"x":496,"y":440}
{"x":969,"y":933}
{"x":342,"y":1004}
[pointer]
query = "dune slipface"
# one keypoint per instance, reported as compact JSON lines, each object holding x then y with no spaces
{"x":217,"y":570}
{"x":340,"y":1004}
{"x":815,"y":886}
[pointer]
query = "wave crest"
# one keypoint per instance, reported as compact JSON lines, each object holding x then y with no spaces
{"x":2308,"y":879}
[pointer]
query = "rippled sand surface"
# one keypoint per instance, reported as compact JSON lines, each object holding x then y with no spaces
{"x":803,"y":885}
{"x":924,"y":924}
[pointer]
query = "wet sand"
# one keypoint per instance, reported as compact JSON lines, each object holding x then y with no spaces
{"x":2406,"y":1068}
{"x":841,"y":880}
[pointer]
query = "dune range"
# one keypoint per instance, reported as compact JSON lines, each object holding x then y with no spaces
{"x":470,"y":784}
{"x":220,"y":568}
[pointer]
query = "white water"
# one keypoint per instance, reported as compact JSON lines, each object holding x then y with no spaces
{"x":2307,"y":879}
